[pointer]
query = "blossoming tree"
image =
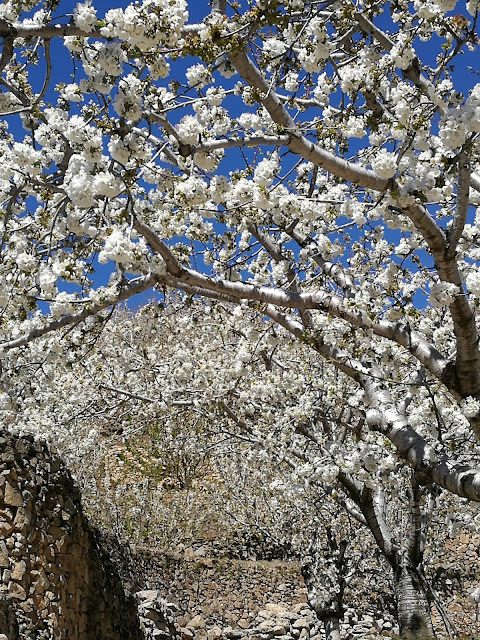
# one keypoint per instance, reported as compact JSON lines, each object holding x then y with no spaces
{"x":315,"y":161}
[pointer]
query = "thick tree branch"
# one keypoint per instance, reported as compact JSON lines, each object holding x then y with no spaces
{"x":464,"y":378}
{"x":181,"y":277}
{"x":298,"y":143}
{"x":246,"y":141}
{"x":416,"y":538}
{"x":458,"y":478}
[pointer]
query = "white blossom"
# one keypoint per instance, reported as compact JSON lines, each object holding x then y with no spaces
{"x":198,"y":75}
{"x":384,"y":164}
{"x":470,"y":407}
{"x":84,"y":16}
{"x":442,"y":294}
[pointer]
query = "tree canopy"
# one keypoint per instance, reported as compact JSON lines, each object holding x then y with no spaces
{"x":316,"y":163}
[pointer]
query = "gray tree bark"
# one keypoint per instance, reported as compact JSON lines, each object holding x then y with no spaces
{"x":413,"y":611}
{"x":324,"y":574}
{"x":332,"y":628}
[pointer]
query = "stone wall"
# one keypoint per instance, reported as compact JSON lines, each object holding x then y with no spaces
{"x":228,"y":599}
{"x":55,"y":582}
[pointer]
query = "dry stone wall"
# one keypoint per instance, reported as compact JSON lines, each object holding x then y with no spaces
{"x":227,"y":599}
{"x":55,"y":582}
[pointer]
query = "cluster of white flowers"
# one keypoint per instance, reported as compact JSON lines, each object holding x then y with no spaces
{"x":312,"y":58}
{"x":107,"y":56}
{"x":265,"y":171}
{"x":471,"y":117}
{"x":148,"y":24}
{"x":472,"y":282}
{"x":27,"y":158}
{"x":354,"y":127}
{"x":273,"y":49}
{"x":470,"y":407}
{"x":191,"y":191}
{"x":120,"y":248}
{"x":72,"y":92}
{"x":63,"y":304}
{"x":84,"y":16}
{"x":452,"y":130}
{"x":291,"y":81}
{"x":198,"y":76}
{"x":25,"y":261}
{"x":189,"y":129}
{"x":159,"y":68}
{"x":384,"y":164}
{"x":128,"y":100}
{"x":208,"y":160}
{"x":129,"y":150}
{"x":214,"y":119}
{"x":47,"y":280}
{"x":106,"y":184}
{"x":78,"y":182}
{"x":9,"y":10}
{"x":402,"y":53}
{"x":430,"y":8}
{"x":219,"y":188}
{"x":442,"y":294}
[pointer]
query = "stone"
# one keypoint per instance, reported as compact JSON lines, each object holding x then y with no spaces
{"x":6,"y":529}
{"x":232,"y":634}
{"x":22,"y":518}
{"x":12,"y":496}
{"x":148,"y":594}
{"x":42,"y":583}
{"x":16,"y":591}
{"x":274,"y":607}
{"x":214,"y":632}
{"x":3,"y":555}
{"x":300,"y":623}
{"x":18,"y":570}
{"x":197,"y":622}
{"x":187,"y":634}
{"x":280,"y":630}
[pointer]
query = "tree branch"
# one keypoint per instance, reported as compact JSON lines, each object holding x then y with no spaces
{"x":463,"y":191}
{"x":456,"y":477}
{"x":136,"y":286}
{"x":298,"y":143}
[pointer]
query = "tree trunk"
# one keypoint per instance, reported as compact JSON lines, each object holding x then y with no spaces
{"x":332,"y":628}
{"x":324,"y":574}
{"x":413,"y":612}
